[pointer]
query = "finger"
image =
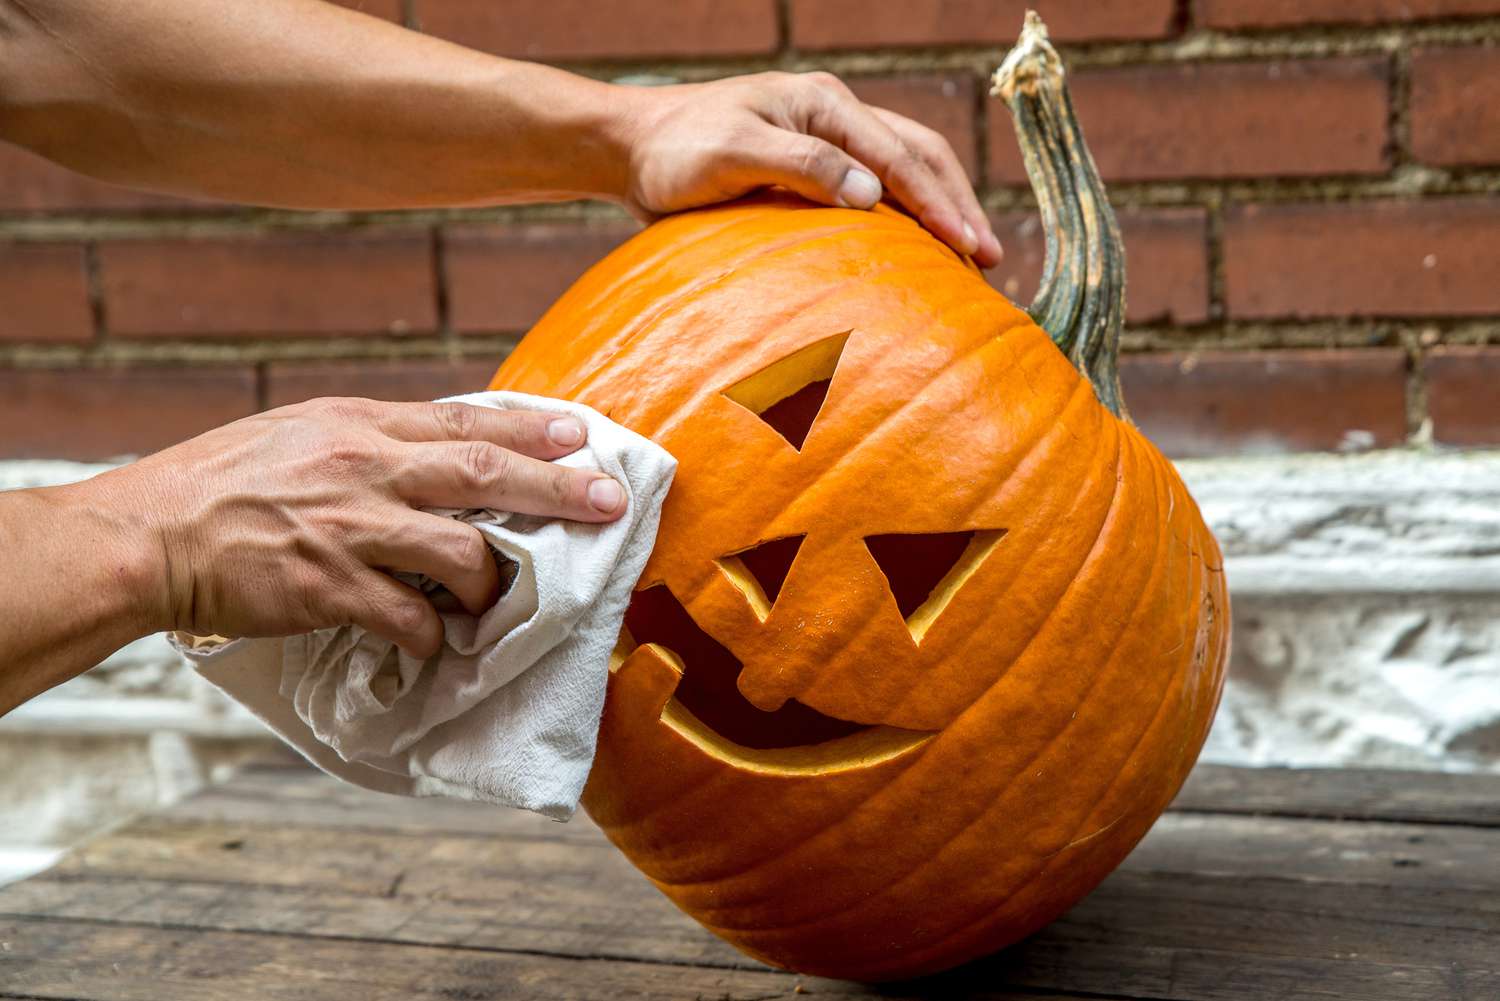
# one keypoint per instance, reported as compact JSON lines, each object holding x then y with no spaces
{"x":838,"y":117}
{"x":943,"y":161}
{"x":390,"y":609}
{"x":540,"y":434}
{"x":814,"y":168}
{"x":450,"y":552}
{"x":479,"y":474}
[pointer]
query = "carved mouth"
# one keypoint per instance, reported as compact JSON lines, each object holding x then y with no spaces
{"x":708,"y":689}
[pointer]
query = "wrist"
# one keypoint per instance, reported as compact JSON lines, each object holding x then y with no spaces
{"x":111,"y":515}
{"x":602,"y":124}
{"x":626,"y":113}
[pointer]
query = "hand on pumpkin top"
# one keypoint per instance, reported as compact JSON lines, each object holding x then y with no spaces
{"x":696,"y":144}
{"x":281,"y":523}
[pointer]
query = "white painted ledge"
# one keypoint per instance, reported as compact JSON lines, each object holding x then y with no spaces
{"x":1366,"y":596}
{"x":1366,"y":593}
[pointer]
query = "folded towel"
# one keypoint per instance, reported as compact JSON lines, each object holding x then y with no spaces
{"x":508,"y":711}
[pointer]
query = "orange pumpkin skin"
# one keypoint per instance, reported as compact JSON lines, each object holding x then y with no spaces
{"x":1051,"y":709}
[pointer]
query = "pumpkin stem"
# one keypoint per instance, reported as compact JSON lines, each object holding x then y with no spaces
{"x":1081,"y":301}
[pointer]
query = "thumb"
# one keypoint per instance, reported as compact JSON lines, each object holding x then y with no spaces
{"x":815,"y":169}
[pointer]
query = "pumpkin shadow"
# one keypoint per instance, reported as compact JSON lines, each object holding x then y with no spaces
{"x":1117,"y":942}
{"x":1004,"y":975}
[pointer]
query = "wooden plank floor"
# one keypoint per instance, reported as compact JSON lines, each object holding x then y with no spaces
{"x":285,"y":884}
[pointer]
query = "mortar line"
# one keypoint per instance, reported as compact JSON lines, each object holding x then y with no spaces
{"x":439,"y":264}
{"x":1400,"y":112}
{"x":93,"y":273}
{"x":1407,"y":181}
{"x":1218,"y":308}
{"x":1203,"y":45}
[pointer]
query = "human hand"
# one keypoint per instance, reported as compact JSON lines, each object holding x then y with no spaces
{"x":294,"y":519}
{"x":696,"y":144}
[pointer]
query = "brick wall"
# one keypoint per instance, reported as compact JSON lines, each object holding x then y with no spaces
{"x":1309,"y":190}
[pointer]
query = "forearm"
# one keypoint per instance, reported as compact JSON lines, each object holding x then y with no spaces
{"x":79,"y":581}
{"x":296,"y":103}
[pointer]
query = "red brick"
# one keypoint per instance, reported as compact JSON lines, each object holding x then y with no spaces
{"x":1300,"y":117}
{"x":1463,"y":395}
{"x":942,"y":103}
{"x":859,"y":24}
{"x":44,"y":290}
{"x":102,"y":413}
{"x":397,"y":381}
{"x":272,"y":284}
{"x":1429,"y":258}
{"x":1218,"y":403}
{"x":588,"y":29}
{"x":1166,"y":254}
{"x":29,"y":183}
{"x":1455,"y":106}
{"x":503,"y":278}
{"x":1280,"y":13}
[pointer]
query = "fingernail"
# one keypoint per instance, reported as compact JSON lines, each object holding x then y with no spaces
{"x":605,"y":495}
{"x":565,"y":431}
{"x":971,"y":240}
{"x":992,"y":245}
{"x":860,"y":190}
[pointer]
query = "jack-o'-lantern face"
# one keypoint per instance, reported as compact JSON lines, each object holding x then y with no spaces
{"x":928,"y":638}
{"x":814,"y":593}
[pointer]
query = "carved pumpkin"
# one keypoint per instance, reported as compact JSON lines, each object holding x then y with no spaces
{"x":931,"y":634}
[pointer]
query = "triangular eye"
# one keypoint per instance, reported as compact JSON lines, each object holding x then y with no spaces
{"x":788,"y":394}
{"x":925,"y":571}
{"x":760,"y":571}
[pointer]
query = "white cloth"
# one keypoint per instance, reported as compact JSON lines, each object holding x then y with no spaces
{"x":508,"y":711}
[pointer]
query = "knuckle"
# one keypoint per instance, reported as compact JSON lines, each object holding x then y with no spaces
{"x":470,"y":551}
{"x":347,"y":455}
{"x":825,"y":80}
{"x":341,"y":409}
{"x":407,"y":616}
{"x":483,"y":466}
{"x":561,"y":487}
{"x":457,"y":420}
{"x":927,"y":143}
{"x":911,"y":167}
{"x":814,"y":158}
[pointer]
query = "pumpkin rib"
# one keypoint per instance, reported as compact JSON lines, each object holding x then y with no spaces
{"x":1175,"y":679}
{"x":735,"y":268}
{"x":665,"y":307}
{"x":595,"y":307}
